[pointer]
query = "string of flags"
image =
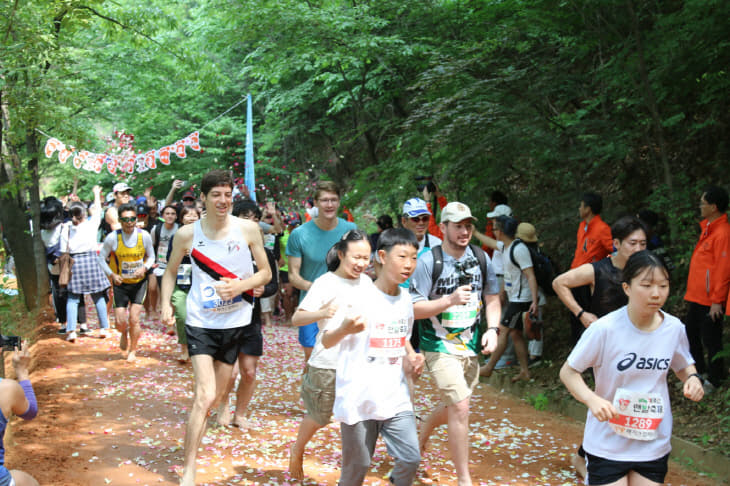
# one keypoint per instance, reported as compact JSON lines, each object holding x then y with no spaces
{"x":122,"y":163}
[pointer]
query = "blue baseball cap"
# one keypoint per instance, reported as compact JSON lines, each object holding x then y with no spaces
{"x":415,"y":207}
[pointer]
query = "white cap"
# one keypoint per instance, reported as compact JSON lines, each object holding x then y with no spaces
{"x":121,"y":187}
{"x":500,"y":210}
{"x":456,"y":212}
{"x":415,"y":207}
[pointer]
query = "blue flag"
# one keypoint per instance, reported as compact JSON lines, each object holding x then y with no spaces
{"x":249,"y":178}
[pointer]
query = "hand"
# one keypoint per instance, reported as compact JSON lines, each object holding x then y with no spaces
{"x":245,"y":192}
{"x":166,"y":314}
{"x":716,"y":312}
{"x":96,"y":190}
{"x":258,"y":291}
{"x":426,"y":194}
{"x":21,"y":361}
{"x":271,"y":207}
{"x":328,"y":310}
{"x":601,"y":408}
{"x":177,"y":184}
{"x":693,"y":389}
{"x":460,"y":296}
{"x":353,"y":325}
{"x":587,"y":319}
{"x":147,"y":192}
{"x":117,"y":279}
{"x":489,"y":341}
{"x":140,"y":272}
{"x":228,"y":288}
{"x":533,"y":308}
{"x":416,"y":362}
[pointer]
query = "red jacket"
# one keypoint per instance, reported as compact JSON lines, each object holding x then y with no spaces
{"x":594,"y":242}
{"x":433,"y":226}
{"x":709,"y":270}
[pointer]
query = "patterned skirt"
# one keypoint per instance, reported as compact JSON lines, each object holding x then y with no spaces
{"x":87,"y":277}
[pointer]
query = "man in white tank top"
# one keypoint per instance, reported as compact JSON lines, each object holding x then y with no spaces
{"x":219,"y":304}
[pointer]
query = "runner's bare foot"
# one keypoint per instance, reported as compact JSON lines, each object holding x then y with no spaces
{"x":223,"y":417}
{"x":295,"y":465}
{"x":522,"y":375}
{"x":579,"y":464}
{"x":131,"y":357}
{"x":240,"y":422}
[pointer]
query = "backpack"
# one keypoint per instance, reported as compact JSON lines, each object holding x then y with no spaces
{"x":543,"y":265}
{"x":438,"y":262}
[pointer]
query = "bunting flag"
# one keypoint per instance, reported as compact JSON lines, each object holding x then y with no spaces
{"x":124,"y":164}
{"x":249,"y":178}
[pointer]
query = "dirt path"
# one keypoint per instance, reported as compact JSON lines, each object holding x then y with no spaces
{"x":104,"y":421}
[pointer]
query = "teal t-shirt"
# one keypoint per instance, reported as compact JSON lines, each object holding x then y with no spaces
{"x":311,"y":244}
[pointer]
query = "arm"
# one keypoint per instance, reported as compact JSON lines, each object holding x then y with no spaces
{"x":112,"y":218}
{"x":24,"y":403}
{"x":149,"y":260}
{"x":303,"y":317}
{"x":485,"y":240}
{"x":577,"y":277}
{"x":176,"y":184}
{"x":236,"y":286}
{"x":110,"y":244}
{"x":424,"y":309}
{"x":278,"y":223}
{"x":295,"y":278}
{"x":493,"y":311}
{"x":720,"y":277}
{"x":692,"y":383}
{"x":532,"y":283}
{"x":601,"y":408}
{"x":349,"y":326}
{"x":96,"y":207}
{"x":183,"y":241}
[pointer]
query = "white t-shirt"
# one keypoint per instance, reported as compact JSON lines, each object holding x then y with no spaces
{"x":623,"y":356}
{"x":498,"y":259}
{"x":81,"y":238}
{"x":347,"y":294}
{"x":515,"y":282}
{"x":50,"y":238}
{"x":165,"y":237}
{"x":370,"y":383}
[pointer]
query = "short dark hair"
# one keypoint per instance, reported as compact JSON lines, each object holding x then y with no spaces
{"x":173,"y":207}
{"x":626,"y":225}
{"x":246,"y":206}
{"x":215,"y":178}
{"x":51,"y":213}
{"x":127,"y":207}
{"x":385,"y":222}
{"x":326,"y":186}
{"x":507,"y":225}
{"x":498,"y":197}
{"x":718,"y":196}
{"x":648,"y":217}
{"x":396,"y":236}
{"x":185,"y":210}
{"x":593,"y":201}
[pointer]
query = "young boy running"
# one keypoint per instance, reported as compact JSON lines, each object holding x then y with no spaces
{"x":371,"y":391}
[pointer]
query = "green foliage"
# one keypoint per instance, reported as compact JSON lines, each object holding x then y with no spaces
{"x":539,"y":401}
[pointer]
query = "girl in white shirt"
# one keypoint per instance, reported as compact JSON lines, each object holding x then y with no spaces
{"x":629,"y":424}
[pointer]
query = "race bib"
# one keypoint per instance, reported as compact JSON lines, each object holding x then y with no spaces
{"x":639,"y":414}
{"x":184,"y":274}
{"x":388,"y":340}
{"x":461,"y":316}
{"x":162,"y":252}
{"x":211,"y":300}
{"x":128,"y":268}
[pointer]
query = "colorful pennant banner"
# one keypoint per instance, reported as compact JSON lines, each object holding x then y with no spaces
{"x":130,"y":163}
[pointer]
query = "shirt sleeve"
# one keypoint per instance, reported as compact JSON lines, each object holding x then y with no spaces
{"x":421,"y":280}
{"x":149,"y":250}
{"x":293,"y":245}
{"x":720,"y":277}
{"x":522,"y":256}
{"x":313,"y":300}
{"x":682,"y":356}
{"x":110,"y":244}
{"x":587,"y":353}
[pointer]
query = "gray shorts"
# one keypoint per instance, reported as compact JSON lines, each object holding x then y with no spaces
{"x":318,"y":393}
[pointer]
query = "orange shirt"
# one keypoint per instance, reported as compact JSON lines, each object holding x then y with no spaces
{"x":709,"y":270}
{"x":489,"y":231}
{"x":433,"y":227}
{"x":594,"y":242}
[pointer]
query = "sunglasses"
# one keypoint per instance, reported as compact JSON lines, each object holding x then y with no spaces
{"x":423,"y":218}
{"x":128,"y":220}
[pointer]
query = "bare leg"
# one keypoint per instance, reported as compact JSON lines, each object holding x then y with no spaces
{"x":636,"y":479}
{"x":135,"y":330}
{"x":488,"y":368}
{"x":246,"y":388}
{"x":437,"y":418}
{"x":296,"y":454}
{"x":521,"y":351}
{"x":22,"y":478}
{"x":209,"y":377}
{"x":150,"y":300}
{"x":459,"y":440}
{"x":224,"y":413}
{"x":120,"y":322}
{"x":579,"y":464}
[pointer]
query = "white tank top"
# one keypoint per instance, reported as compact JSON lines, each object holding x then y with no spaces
{"x":211,"y":260}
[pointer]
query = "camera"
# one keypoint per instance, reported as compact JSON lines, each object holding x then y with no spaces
{"x":10,"y":342}
{"x":430,"y":185}
{"x":464,"y":279}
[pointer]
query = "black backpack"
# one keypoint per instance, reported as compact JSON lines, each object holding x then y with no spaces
{"x":438,"y":262}
{"x":543,"y":265}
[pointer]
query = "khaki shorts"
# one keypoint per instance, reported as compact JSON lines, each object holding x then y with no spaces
{"x":318,"y":393}
{"x":455,"y":376}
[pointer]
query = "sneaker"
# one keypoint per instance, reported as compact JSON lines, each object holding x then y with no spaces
{"x":71,"y":337}
{"x":62,"y":330}
{"x":83,"y":328}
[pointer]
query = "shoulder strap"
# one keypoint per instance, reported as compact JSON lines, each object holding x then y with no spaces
{"x":438,"y":264}
{"x":428,"y":243}
{"x":479,"y":253}
{"x":512,"y":252}
{"x":158,"y":233}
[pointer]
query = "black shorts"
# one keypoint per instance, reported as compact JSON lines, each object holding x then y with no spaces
{"x":283,"y":277}
{"x":512,"y":314}
{"x":252,"y":341}
{"x":606,"y":471}
{"x":222,"y":344}
{"x":130,"y":292}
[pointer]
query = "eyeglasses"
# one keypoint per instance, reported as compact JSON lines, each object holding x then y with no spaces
{"x":423,"y":219}
{"x":330,"y":200}
{"x":128,"y":220}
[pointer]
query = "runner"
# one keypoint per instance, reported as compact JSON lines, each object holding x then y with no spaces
{"x":130,"y":252}
{"x":219,"y":304}
{"x":631,"y":351}
{"x":371,"y":391}
{"x":334,"y":296}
